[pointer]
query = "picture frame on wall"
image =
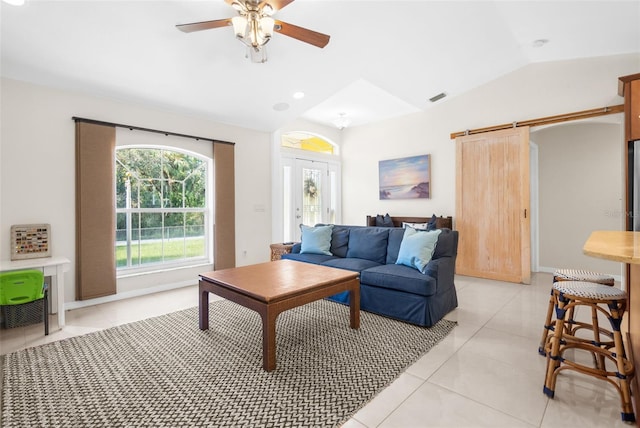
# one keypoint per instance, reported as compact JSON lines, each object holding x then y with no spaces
{"x":30,"y":241}
{"x":405,"y":178}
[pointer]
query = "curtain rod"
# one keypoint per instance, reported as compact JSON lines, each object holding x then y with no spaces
{"x":138,"y":128}
{"x":546,"y":120}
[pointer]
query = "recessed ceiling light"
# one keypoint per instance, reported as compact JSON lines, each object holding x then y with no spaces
{"x":298,"y":95}
{"x":539,"y":43}
{"x":280,"y":106}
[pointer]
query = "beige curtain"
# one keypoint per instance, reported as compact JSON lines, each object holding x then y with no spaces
{"x":224,"y":254}
{"x":95,"y":210}
{"x":95,"y":207}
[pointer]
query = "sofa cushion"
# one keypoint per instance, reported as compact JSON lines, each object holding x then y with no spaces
{"x":447,"y":244}
{"x":368,"y":243}
{"x":417,"y":226}
{"x":384,"y":220}
{"x":417,"y":248}
{"x":316,"y":240}
{"x":340,"y":241}
{"x":432,"y":225}
{"x":354,"y":264}
{"x":399,"y":277}
{"x":395,"y":239}
{"x":316,"y":259}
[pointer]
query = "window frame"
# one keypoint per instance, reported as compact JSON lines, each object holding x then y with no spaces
{"x":206,"y":210}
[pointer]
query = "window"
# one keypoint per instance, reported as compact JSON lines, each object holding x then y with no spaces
{"x":307,"y":142}
{"x":161,"y":208}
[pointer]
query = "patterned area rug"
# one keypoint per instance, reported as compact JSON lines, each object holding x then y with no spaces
{"x":165,"y":372}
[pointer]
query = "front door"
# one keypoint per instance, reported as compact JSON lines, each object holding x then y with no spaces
{"x":311,"y":192}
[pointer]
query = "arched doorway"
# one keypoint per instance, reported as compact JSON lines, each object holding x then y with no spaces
{"x":308,"y":186}
{"x":580,"y":190}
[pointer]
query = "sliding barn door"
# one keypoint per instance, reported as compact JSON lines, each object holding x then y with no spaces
{"x":492,"y":205}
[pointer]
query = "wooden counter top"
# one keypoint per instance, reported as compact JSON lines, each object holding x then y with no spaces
{"x":619,"y":246}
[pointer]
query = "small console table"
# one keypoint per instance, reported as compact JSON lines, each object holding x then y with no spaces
{"x":277,"y":250}
{"x":55,"y":267}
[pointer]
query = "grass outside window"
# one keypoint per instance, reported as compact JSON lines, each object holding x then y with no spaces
{"x":152,"y":251}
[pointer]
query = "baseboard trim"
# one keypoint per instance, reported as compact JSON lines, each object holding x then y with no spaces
{"x":126,"y":295}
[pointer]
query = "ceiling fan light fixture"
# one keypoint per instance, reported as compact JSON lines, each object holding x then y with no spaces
{"x":254,"y":30}
{"x":267,"y":25}
{"x":342,"y":121}
{"x":267,"y":9}
{"x":239,"y":26}
{"x":238,"y":6}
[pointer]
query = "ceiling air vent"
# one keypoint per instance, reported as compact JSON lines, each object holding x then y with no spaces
{"x":435,"y":98}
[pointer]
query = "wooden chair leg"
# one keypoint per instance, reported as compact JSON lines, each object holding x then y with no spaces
{"x":553,"y":352}
{"x":625,"y":371}
{"x":547,"y":331}
{"x":46,"y":312}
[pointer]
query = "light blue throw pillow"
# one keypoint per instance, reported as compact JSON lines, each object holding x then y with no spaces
{"x":417,"y":248}
{"x":316,"y":240}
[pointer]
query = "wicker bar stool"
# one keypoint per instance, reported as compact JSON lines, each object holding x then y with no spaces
{"x":609,"y":301}
{"x":574,"y":275}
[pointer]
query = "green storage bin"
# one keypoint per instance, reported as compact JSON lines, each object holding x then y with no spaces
{"x":22,"y":298}
{"x":23,"y":286}
{"x":23,"y":314}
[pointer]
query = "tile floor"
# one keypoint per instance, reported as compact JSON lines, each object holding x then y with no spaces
{"x":486,"y":373}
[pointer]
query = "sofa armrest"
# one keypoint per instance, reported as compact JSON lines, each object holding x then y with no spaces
{"x":443,"y":270}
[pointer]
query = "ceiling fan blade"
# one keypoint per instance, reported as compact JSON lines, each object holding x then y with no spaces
{"x":204,"y":25}
{"x":303,"y":34}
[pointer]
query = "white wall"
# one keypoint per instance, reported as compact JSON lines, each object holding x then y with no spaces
{"x":536,"y":90}
{"x":37,"y":169}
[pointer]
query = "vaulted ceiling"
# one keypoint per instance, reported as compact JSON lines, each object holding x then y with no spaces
{"x":384,"y":59}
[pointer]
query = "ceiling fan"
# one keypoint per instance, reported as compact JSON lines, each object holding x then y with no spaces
{"x":254,"y":26}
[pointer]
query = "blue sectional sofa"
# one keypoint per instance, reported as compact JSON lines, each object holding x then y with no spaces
{"x":398,"y":291}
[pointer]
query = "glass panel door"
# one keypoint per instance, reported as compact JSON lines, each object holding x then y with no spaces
{"x":312,"y":196}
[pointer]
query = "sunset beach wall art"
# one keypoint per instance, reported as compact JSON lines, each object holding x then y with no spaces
{"x":405,"y":178}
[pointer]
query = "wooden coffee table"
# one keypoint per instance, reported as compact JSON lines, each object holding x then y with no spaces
{"x":274,"y":287}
